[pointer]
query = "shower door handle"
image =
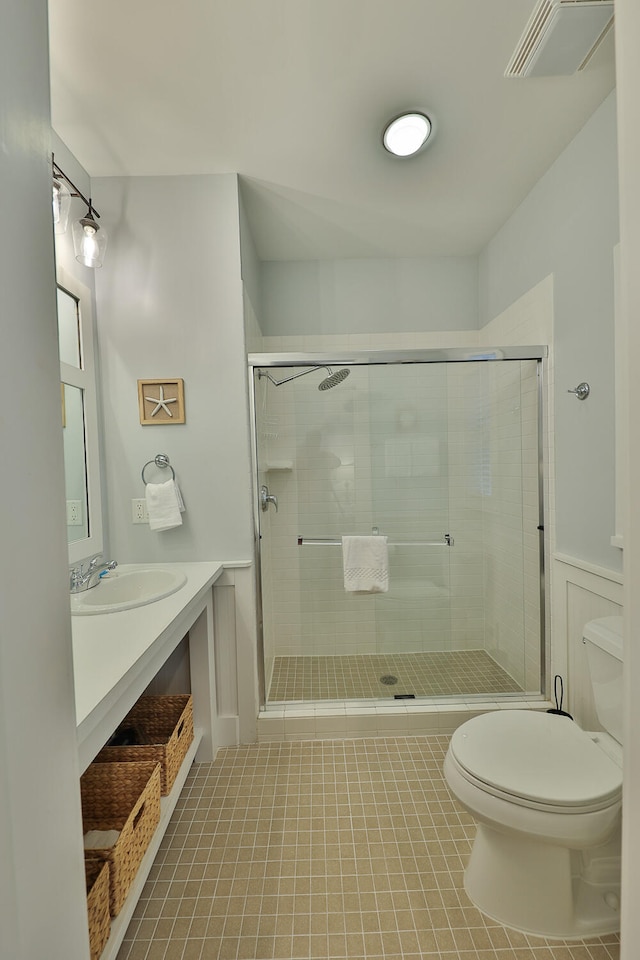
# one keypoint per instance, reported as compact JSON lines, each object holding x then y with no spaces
{"x":266,"y":498}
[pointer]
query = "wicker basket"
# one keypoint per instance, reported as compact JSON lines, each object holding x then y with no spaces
{"x":124,"y":797}
{"x":97,"y":877}
{"x":164,"y":726}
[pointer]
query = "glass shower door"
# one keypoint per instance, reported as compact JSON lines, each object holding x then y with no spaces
{"x":408,"y":430}
{"x":442,"y":459}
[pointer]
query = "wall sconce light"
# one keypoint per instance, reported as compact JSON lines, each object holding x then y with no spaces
{"x":89,"y":238}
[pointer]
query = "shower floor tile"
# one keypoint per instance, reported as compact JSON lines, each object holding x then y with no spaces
{"x":327,"y":849}
{"x":442,"y":674}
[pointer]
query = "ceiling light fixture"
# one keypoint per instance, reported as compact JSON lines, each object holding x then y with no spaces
{"x":89,"y":238}
{"x":408,"y":134}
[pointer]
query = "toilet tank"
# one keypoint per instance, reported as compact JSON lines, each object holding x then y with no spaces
{"x":603,"y":642}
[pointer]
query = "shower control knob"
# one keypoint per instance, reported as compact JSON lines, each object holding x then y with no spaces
{"x":266,"y":498}
{"x":582,"y":391}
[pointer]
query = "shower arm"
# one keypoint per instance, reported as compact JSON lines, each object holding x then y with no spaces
{"x":278,"y":383}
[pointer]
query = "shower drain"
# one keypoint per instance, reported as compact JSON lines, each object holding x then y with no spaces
{"x":388,"y":679}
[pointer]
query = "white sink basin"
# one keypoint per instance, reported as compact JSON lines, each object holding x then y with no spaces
{"x":127,"y":589}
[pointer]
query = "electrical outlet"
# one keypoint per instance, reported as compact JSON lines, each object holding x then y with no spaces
{"x":74,"y":513}
{"x":139,"y":511}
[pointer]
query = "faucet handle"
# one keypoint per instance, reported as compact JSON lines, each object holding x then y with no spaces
{"x":266,"y":498}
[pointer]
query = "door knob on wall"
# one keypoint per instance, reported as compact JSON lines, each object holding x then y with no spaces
{"x":582,"y":391}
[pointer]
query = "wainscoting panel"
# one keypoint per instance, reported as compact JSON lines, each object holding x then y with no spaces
{"x":581,"y":592}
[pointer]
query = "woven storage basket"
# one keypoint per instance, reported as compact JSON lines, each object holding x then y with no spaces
{"x":165,"y":727}
{"x":97,"y":876}
{"x":124,"y":797}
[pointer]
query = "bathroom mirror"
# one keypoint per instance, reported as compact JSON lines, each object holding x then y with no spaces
{"x":75,"y":462}
{"x":78,"y":397}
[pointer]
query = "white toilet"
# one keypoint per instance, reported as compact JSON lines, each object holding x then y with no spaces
{"x":547,"y":798}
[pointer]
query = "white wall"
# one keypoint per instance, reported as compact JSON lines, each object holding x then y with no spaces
{"x":170,"y":305}
{"x":568,"y":227}
{"x":369,"y":296}
{"x":251,"y":283}
{"x":42,"y":909}
{"x":628,"y":63}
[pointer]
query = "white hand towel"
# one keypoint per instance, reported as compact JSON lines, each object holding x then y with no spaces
{"x":100,"y":839}
{"x":181,"y":506}
{"x":163,"y":505}
{"x":365,"y":562}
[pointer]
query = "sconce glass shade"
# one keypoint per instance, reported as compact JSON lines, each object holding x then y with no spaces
{"x":61,"y":204}
{"x":89,"y":241}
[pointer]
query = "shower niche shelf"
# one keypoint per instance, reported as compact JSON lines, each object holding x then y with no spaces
{"x":279,"y":466}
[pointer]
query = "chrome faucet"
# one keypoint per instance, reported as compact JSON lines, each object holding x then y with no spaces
{"x":81,"y":578}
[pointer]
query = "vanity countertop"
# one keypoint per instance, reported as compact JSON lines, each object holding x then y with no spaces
{"x":115,"y":655}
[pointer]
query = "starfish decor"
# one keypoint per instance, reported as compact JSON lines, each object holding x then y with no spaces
{"x":161,"y":403}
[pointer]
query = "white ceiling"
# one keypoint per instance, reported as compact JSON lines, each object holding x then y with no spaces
{"x":293,"y":94}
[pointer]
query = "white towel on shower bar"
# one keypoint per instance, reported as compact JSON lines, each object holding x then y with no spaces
{"x":365,"y":562}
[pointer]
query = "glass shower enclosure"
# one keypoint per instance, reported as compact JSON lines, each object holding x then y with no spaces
{"x":441,"y":453}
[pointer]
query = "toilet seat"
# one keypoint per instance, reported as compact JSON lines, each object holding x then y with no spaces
{"x":536,"y":759}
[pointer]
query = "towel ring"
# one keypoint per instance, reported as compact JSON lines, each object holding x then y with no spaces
{"x":161,"y":460}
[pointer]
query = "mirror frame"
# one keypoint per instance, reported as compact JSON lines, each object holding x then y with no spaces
{"x":85,"y":379}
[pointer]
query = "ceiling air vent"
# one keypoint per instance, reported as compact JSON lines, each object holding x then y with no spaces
{"x":560,"y":37}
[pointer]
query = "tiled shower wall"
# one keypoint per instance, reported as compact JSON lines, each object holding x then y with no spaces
{"x":409,"y":450}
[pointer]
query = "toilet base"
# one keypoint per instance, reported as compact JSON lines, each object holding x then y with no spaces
{"x":543,"y":889}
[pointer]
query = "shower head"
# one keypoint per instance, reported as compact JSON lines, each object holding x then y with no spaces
{"x":334,"y":378}
{"x":331,"y":381}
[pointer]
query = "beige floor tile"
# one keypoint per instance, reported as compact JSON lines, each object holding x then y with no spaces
{"x":441,"y":674}
{"x":340,"y":850}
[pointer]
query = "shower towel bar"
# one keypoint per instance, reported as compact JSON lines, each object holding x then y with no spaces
{"x":447,"y":541}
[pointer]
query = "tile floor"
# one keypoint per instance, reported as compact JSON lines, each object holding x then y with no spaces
{"x":459,"y":673}
{"x":326,"y":849}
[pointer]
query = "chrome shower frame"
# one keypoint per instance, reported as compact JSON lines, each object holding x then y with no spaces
{"x":261,"y":363}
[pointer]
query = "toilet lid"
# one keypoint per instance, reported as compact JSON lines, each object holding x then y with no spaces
{"x":538,"y":757}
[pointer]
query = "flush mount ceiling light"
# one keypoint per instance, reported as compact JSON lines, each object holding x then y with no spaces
{"x":89,"y":238}
{"x":408,"y":134}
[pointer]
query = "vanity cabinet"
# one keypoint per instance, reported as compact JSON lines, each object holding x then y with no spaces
{"x":116,"y":657}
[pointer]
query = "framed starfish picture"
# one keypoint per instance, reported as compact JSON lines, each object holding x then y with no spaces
{"x":161,"y":401}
